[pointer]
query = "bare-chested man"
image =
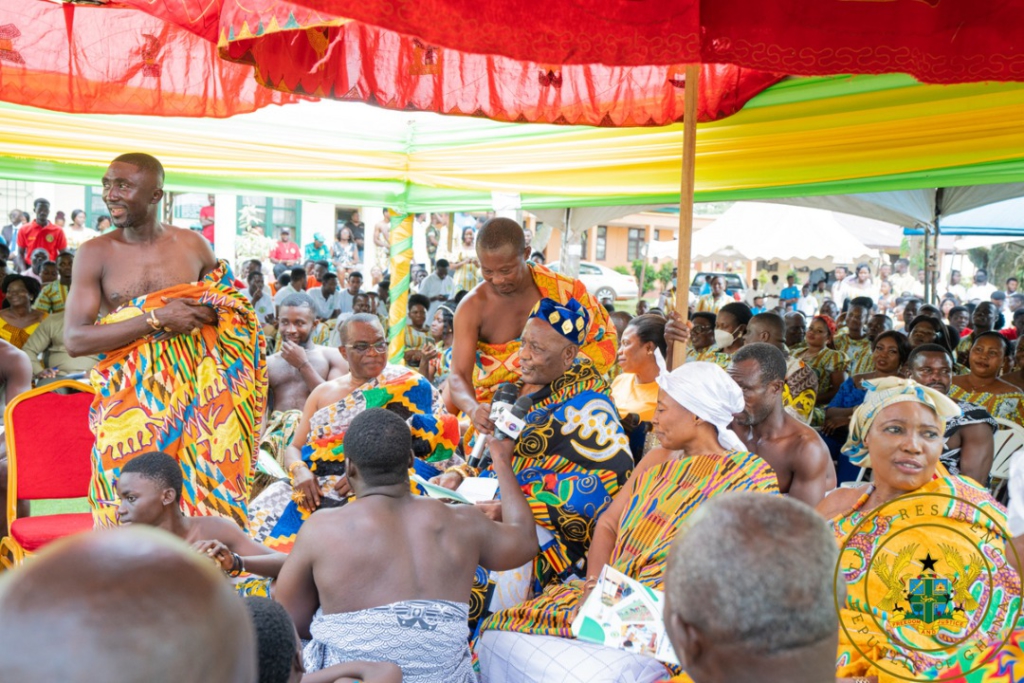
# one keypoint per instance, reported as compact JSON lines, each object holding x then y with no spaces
{"x":388,"y":577}
{"x":295,"y":371}
{"x":184,"y":366}
{"x":492,"y":316}
{"x":795,"y":451}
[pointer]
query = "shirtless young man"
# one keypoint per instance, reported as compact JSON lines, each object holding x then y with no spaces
{"x":795,"y":451}
{"x":495,"y":313}
{"x":148,"y":366}
{"x":388,"y":576}
{"x":300,"y":366}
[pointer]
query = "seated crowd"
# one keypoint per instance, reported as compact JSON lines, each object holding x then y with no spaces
{"x":398,"y":533}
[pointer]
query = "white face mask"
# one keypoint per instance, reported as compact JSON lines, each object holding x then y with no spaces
{"x":724,"y":339}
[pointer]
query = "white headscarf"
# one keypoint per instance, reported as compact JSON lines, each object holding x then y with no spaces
{"x":708,"y":392}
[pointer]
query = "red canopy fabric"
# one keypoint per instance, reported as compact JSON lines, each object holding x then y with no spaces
{"x":118,"y":61}
{"x":936,"y":41}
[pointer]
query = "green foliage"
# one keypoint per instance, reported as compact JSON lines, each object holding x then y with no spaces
{"x":649,"y":277}
{"x":664,"y":275}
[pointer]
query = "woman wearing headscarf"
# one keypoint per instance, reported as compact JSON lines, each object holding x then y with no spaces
{"x":817,"y":351}
{"x":700,"y":458}
{"x":923,"y":552}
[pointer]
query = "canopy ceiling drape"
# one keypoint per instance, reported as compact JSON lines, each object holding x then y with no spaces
{"x":803,"y":136}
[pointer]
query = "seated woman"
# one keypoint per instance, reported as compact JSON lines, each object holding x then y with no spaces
{"x":18,"y":320}
{"x":817,"y":351}
{"x":701,"y":457}
{"x":149,"y":490}
{"x":315,"y":459}
{"x":417,"y":336}
{"x":923,"y":553}
{"x":984,"y":319}
{"x":702,"y":345}
{"x":890,"y":351}
{"x":635,"y":391}
{"x":436,"y":362}
{"x":983,"y":386}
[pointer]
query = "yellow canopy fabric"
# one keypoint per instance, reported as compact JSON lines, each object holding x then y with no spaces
{"x":804,"y":136}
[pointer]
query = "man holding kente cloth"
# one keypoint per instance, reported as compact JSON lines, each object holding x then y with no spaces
{"x":571,"y":458}
{"x":490,"y":320}
{"x":930,"y":593}
{"x":184,"y":368}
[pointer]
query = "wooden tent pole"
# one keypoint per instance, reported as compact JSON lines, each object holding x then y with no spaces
{"x":686,"y":204}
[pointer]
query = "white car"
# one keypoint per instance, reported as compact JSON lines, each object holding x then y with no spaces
{"x":605,"y":283}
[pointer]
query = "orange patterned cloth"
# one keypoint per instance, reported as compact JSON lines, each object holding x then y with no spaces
{"x":498,"y":363}
{"x":197,"y":398}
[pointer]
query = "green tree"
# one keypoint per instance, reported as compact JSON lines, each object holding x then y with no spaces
{"x":649,"y":275}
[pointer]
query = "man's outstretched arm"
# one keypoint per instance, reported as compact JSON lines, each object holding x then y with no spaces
{"x":512,"y":542}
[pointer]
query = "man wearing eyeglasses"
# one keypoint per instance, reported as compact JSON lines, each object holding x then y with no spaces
{"x":315,"y":457}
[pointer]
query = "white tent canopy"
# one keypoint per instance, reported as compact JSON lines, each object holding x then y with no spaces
{"x":772,"y":232}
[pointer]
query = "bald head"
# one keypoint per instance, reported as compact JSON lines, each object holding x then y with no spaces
{"x":751,"y":578}
{"x":766,"y":327}
{"x":144,"y":162}
{"x":123,"y":605}
{"x":501,"y":233}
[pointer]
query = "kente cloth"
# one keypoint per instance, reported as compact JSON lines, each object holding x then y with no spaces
{"x":499,"y":363}
{"x":928,"y":585}
{"x":277,"y":434}
{"x":969,"y":414}
{"x":507,"y":657}
{"x":858,"y":351}
{"x":662,"y":499}
{"x":1008,"y":406}
{"x":276,"y":518}
{"x":441,"y":365}
{"x":711,"y":354}
{"x":800,"y":391}
{"x":881,"y":393}
{"x":571,"y":458}
{"x":52,"y":298}
{"x":416,"y":339}
{"x":427,"y":639}
{"x":824,"y":364}
{"x":254,"y":587}
{"x":632,"y":396}
{"x":197,"y":398}
{"x":17,"y":336}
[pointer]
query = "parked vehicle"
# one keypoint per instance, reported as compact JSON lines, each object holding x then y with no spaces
{"x":734,"y":284}
{"x":605,"y":283}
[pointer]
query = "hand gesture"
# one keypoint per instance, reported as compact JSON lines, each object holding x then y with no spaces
{"x":430,"y":353}
{"x":48,"y":373}
{"x":216,"y":551}
{"x":182,"y":316}
{"x":343,"y":487}
{"x":305,"y":489}
{"x":293,"y":354}
{"x":482,"y":419}
{"x":676,"y":330}
{"x":501,"y":450}
{"x":257,"y":296}
{"x":448,"y":480}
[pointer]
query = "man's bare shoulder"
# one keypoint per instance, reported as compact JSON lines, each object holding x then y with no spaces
{"x":215,"y":528}
{"x":332,"y":355}
{"x":840,"y":501}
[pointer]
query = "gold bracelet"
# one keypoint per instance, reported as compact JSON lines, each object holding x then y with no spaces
{"x":153,"y":322}
{"x":291,"y":468}
{"x":464,"y":470}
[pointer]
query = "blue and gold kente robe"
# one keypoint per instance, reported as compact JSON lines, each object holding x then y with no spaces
{"x":572,"y":457}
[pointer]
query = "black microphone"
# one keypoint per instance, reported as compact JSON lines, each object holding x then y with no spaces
{"x":504,"y":396}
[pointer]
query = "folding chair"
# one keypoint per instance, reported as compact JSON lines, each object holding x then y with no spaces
{"x":1007,"y":442}
{"x":49,"y":456}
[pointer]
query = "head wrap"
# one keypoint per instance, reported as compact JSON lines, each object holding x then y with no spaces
{"x":882,"y":393}
{"x":829,"y":323}
{"x":708,"y":392}
{"x":569,"y":319}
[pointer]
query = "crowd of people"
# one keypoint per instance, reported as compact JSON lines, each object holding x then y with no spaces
{"x":715,"y":483}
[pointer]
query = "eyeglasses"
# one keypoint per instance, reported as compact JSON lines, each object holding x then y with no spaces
{"x":362,"y":347}
{"x":700,"y":329}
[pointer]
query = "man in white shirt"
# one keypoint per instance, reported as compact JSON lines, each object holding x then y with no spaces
{"x":903,"y":282}
{"x":295,"y":285}
{"x":259,"y":296}
{"x":839,"y":286}
{"x":981,"y":290}
{"x":438,"y":287}
{"x":750,"y":294}
{"x":352,"y":287}
{"x":807,"y":303}
{"x":327,"y":297}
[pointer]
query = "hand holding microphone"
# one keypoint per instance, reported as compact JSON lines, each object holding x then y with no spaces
{"x":507,"y":415}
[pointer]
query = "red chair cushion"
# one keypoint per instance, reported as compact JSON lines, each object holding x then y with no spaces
{"x":33,"y":533}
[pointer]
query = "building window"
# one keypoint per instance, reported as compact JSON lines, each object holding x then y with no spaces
{"x":601,"y":253}
{"x":273,"y":213}
{"x":636,"y":240}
